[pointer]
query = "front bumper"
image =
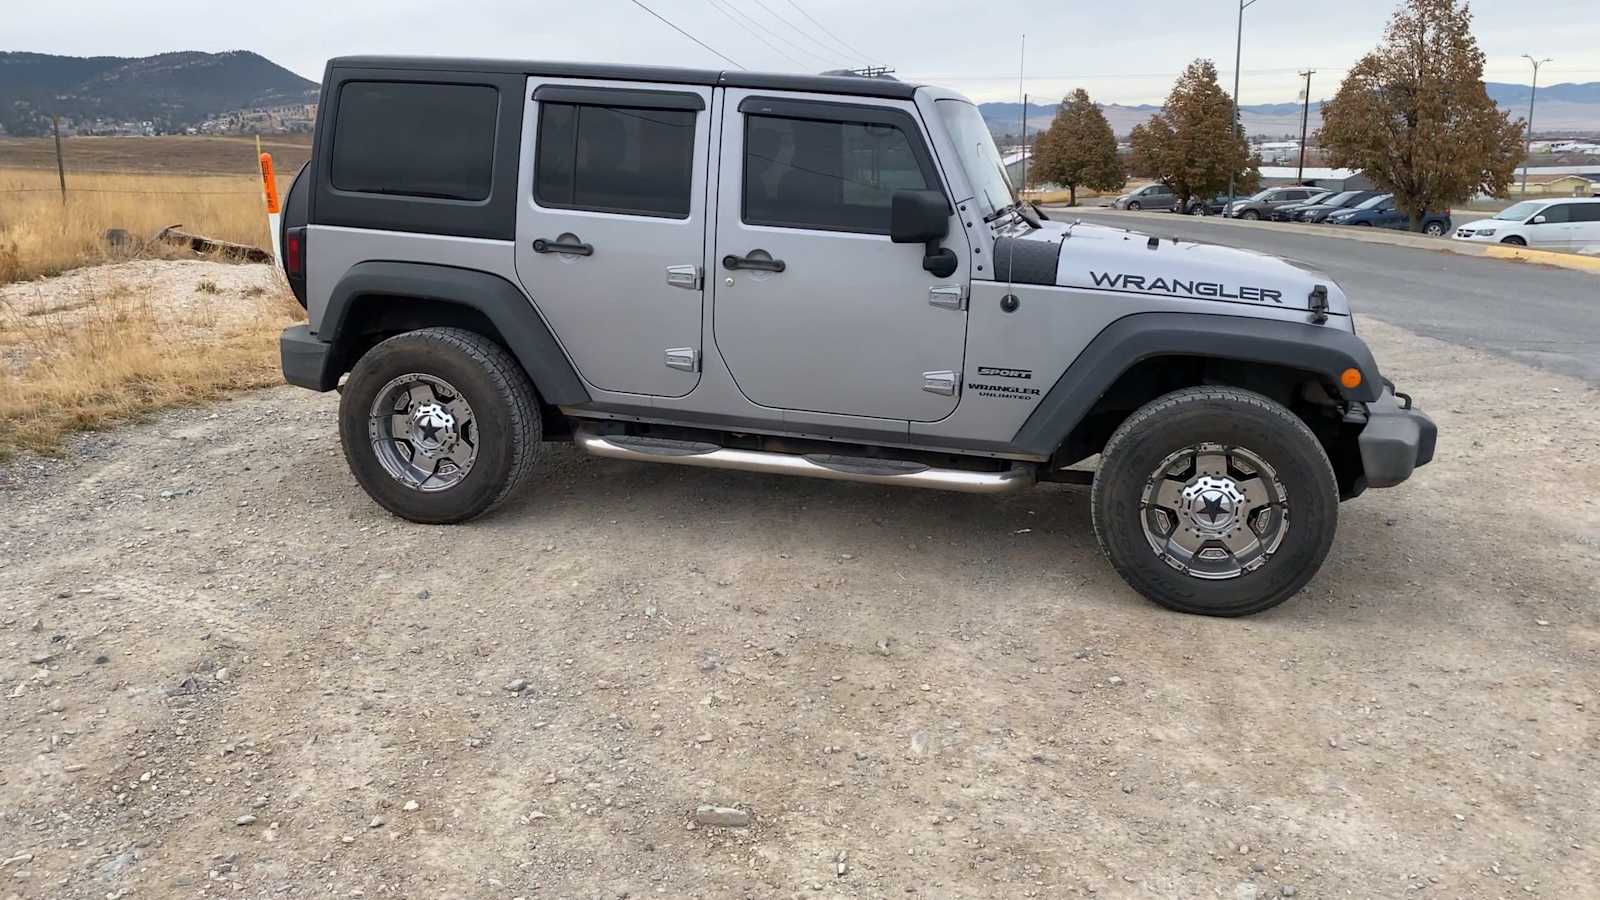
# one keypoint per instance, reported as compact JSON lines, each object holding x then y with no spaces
{"x":1395,"y":440}
{"x":308,"y":362}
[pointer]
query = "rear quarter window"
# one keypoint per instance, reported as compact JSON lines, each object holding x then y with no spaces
{"x":417,"y":140}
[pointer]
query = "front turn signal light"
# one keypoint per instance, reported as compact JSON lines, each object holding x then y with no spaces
{"x":1350,"y":378}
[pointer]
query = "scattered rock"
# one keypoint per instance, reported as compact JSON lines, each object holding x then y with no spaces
{"x":517,"y":685}
{"x":1288,"y":890}
{"x":57,"y":706}
{"x":1114,"y":680}
{"x":722,"y":816}
{"x":245,"y":820}
{"x":377,"y":822}
{"x":411,"y":806}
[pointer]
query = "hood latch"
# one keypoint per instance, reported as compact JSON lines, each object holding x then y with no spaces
{"x":1319,"y":304}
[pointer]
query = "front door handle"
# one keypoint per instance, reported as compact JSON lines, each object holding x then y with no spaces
{"x":560,"y":245}
{"x":757,"y":261}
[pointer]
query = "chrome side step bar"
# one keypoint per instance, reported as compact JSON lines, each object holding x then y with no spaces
{"x":835,"y":468}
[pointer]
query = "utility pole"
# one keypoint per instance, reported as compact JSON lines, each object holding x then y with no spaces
{"x":1305,"y":119}
{"x":1024,"y":143}
{"x":1527,"y":146}
{"x":1238,"y":51}
{"x":61,"y":166}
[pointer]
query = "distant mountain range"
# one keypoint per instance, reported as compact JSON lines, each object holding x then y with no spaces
{"x":172,"y":91}
{"x":1561,"y":107}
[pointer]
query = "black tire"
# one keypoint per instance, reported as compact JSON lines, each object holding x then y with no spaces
{"x":1433,"y":229}
{"x":1235,"y":418}
{"x":1514,"y":241}
{"x":506,"y":419}
{"x":1250,"y":215}
{"x":1134,"y":205}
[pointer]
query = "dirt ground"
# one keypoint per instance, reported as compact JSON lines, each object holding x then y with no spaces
{"x":224,"y":672}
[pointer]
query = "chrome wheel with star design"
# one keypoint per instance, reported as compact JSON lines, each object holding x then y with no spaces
{"x":423,"y":432}
{"x":1213,"y":511}
{"x":439,"y":424}
{"x":1216,"y":500}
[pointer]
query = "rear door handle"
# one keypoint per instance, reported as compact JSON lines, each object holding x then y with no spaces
{"x":576,"y":248}
{"x":757,"y":263}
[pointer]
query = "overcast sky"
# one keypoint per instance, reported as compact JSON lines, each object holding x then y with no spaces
{"x":1124,"y":52}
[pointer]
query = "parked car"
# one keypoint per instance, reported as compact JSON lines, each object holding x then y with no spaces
{"x":1571,"y":224}
{"x":1151,"y":196}
{"x":1261,"y":204}
{"x":1287,"y":211}
{"x":1342,"y":200}
{"x":1205,"y":206}
{"x":1380,"y":212}
{"x":695,"y":268}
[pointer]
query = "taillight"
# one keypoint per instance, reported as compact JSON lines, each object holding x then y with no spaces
{"x":294,"y":261}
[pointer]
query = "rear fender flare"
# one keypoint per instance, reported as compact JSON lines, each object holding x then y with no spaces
{"x":504,"y":304}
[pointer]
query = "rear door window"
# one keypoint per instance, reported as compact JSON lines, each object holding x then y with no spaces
{"x":1585,"y":212}
{"x":416,"y":140}
{"x":615,"y":159}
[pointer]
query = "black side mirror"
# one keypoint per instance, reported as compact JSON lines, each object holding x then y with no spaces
{"x":923,"y":217}
{"x":916,"y":217}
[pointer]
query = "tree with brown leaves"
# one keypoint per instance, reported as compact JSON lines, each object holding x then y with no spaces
{"x":1078,"y":149}
{"x":1194,"y":145}
{"x":1413,"y":114}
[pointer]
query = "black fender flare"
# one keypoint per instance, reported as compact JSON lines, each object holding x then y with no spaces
{"x":1315,"y":349}
{"x":504,"y":304}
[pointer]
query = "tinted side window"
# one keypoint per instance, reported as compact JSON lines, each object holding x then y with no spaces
{"x":1561,"y":212}
{"x":418,"y":140}
{"x":1585,"y":212}
{"x":611,"y":159}
{"x":834,"y":176}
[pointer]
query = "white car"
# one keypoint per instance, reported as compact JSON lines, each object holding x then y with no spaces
{"x":1571,"y":224}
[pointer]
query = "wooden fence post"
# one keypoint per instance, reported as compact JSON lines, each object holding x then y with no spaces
{"x":61,"y":167}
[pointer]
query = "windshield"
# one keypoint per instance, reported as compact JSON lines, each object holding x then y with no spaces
{"x":1322,"y":197}
{"x":1520,"y":211}
{"x":978,"y":155}
{"x":1260,"y":195}
{"x":1339,"y":199}
{"x":1370,"y":202}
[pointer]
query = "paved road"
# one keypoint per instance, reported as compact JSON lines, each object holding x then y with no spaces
{"x":1540,"y":315}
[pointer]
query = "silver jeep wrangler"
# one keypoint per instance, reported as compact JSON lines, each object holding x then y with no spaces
{"x":812,"y":275}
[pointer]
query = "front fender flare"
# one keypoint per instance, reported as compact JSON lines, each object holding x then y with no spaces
{"x":504,"y":304}
{"x":1318,"y":350}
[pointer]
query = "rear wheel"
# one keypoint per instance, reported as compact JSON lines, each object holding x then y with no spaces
{"x":1433,"y":229}
{"x":1215,"y":501}
{"x":439,"y":425}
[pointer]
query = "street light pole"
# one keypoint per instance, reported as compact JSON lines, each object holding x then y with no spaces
{"x":1527,"y":145}
{"x":1238,"y":50}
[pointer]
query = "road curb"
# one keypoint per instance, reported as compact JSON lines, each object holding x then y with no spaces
{"x":1367,"y":235}
{"x":1544,"y":257}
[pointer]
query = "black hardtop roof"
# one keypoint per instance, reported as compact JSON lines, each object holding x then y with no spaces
{"x":859,"y":86}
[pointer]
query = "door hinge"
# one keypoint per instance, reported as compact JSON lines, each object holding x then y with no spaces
{"x":947,"y":297}
{"x":685,"y":359}
{"x":939,"y":383}
{"x":686,"y":277}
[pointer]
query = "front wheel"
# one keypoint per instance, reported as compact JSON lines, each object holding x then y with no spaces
{"x":1514,"y":241}
{"x":1134,"y":205}
{"x":439,"y":425}
{"x":1215,"y":501}
{"x":1250,"y":215}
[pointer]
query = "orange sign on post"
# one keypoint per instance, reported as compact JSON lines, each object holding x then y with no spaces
{"x":269,"y":183}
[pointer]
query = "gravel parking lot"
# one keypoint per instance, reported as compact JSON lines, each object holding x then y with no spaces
{"x":226,"y":673}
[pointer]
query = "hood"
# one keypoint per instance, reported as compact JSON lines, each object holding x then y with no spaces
{"x":1103,"y":258}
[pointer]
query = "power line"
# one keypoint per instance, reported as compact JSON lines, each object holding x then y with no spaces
{"x":685,"y":33}
{"x":729,"y":10}
{"x":824,"y":29}
{"x":829,"y":51}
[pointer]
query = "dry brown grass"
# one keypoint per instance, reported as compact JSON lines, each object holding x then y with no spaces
{"x":168,"y":155}
{"x":93,"y":358}
{"x":40,"y":236}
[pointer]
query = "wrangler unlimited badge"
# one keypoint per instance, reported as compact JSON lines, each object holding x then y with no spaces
{"x":1177,"y":287}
